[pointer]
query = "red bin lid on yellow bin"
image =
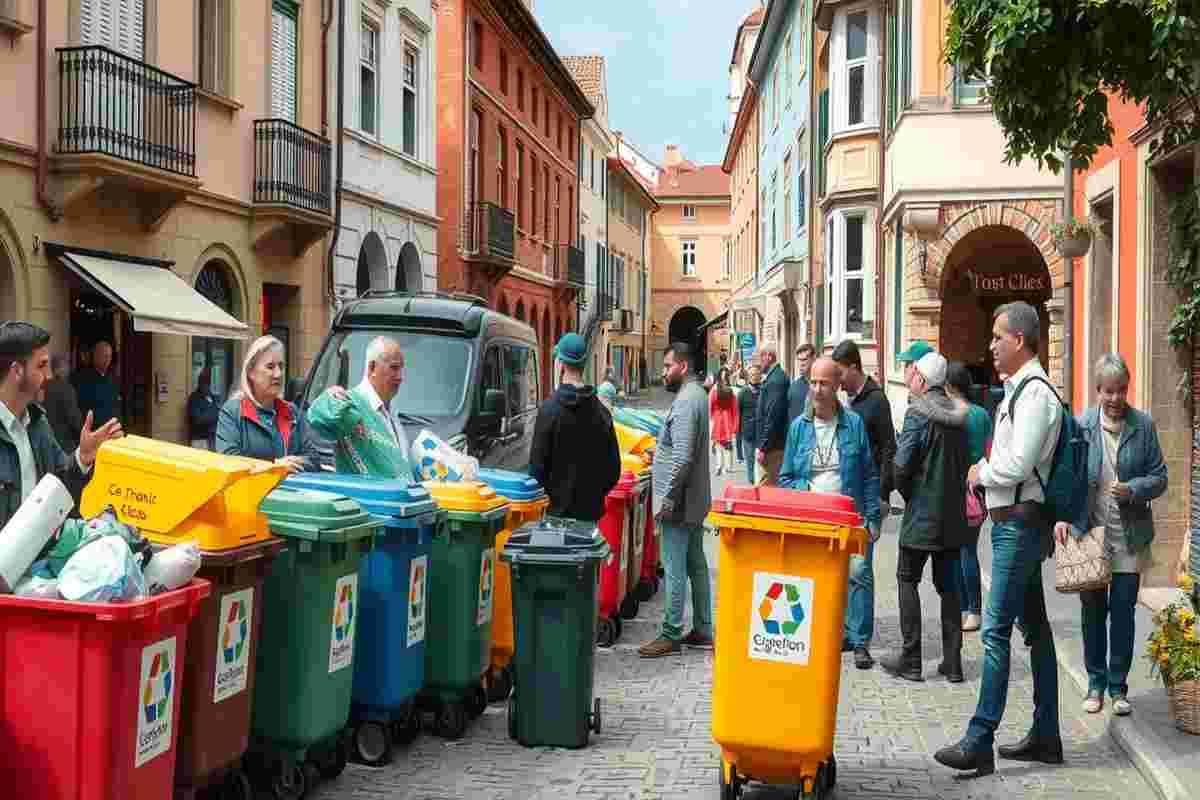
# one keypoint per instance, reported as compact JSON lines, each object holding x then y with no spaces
{"x":625,"y":486}
{"x":771,"y":501}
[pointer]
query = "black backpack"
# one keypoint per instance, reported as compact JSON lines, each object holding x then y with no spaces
{"x":1066,"y":487}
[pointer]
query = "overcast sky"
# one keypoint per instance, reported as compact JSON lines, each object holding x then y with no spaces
{"x":666,"y":64}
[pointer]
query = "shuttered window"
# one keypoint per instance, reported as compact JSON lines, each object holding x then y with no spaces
{"x":119,"y":24}
{"x":283,"y":60}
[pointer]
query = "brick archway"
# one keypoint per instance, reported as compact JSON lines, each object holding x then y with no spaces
{"x":1030,"y":217}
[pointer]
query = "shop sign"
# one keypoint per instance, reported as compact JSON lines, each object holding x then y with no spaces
{"x":1008,"y":282}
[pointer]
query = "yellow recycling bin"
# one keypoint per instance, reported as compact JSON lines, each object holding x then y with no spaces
{"x":631,"y":440}
{"x":784,"y":562}
{"x":174,"y":494}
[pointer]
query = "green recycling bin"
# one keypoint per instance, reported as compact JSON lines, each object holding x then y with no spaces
{"x":462,"y":582}
{"x":556,"y":593}
{"x":304,"y":668}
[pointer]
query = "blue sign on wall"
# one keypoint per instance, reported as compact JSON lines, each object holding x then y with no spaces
{"x":746,"y":341}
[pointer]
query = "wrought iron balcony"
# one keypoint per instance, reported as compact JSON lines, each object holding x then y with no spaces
{"x":489,"y":233}
{"x":113,"y":105}
{"x":291,"y":166}
{"x":569,"y":266}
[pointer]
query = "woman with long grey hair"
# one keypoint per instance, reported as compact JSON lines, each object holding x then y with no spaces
{"x":256,"y":421}
{"x":1125,"y":472}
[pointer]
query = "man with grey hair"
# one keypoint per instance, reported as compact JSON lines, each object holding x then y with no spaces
{"x":772,"y":416}
{"x":95,"y":388}
{"x":368,"y":437}
{"x":61,"y":404}
{"x":1022,"y":452}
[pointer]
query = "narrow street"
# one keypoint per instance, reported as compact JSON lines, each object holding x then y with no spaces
{"x":656,"y":743}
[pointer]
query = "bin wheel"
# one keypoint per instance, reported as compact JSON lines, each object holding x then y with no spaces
{"x":512,"y":716}
{"x":645,"y":590}
{"x":831,"y":773}
{"x":237,"y":786}
{"x":406,"y":731}
{"x":477,"y":702}
{"x":596,"y":718}
{"x":727,"y":779}
{"x":606,"y":632}
{"x":372,"y":744}
{"x":820,"y":786}
{"x":629,"y":607}
{"x":312,"y":777}
{"x":332,"y":763}
{"x":290,"y":783}
{"x":499,"y":685}
{"x":452,"y":721}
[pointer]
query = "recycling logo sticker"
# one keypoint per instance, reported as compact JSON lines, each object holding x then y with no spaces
{"x":487,"y":579}
{"x":781,"y":618}
{"x":418,"y":572}
{"x":233,"y":644}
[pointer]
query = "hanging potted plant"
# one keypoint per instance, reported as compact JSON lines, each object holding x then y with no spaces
{"x":1073,"y":239}
{"x":1174,"y":652}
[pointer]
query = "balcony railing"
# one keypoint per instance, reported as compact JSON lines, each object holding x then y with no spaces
{"x":291,"y":166}
{"x":114,"y":105}
{"x":489,"y":231}
{"x":569,"y":265}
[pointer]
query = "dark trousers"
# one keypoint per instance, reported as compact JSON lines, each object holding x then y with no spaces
{"x":945,"y":579}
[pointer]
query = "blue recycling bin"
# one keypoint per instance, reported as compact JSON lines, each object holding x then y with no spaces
{"x":389,"y":662}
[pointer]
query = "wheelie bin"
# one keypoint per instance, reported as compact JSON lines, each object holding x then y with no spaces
{"x":389,"y":663}
{"x":634,"y":440}
{"x":647,"y":569}
{"x":462,"y":571}
{"x":784,"y":561}
{"x":555,"y":572}
{"x":527,"y":502}
{"x":304,"y":666}
{"x":636,"y":539}
{"x":218,"y":679}
{"x":614,"y":525}
{"x":89,"y":699}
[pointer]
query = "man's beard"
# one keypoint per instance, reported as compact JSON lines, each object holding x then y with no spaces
{"x":672,"y":384}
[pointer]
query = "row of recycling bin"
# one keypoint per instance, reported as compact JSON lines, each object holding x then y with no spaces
{"x":376,"y":604}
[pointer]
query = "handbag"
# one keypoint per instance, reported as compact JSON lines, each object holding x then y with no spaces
{"x":976,"y":511}
{"x":1081,"y":563}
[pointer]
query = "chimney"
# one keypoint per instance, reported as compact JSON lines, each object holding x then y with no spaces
{"x":672,"y":156}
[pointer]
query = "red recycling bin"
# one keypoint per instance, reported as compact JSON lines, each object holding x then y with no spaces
{"x":648,"y":585}
{"x":89,"y":698}
{"x":615,"y":570}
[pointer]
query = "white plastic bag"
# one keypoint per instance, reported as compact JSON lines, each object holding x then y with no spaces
{"x":101,"y":571}
{"x":173,"y":567}
{"x":41,"y":588}
{"x":435,"y":460}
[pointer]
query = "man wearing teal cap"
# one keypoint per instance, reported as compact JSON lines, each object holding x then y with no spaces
{"x":574,"y":455}
{"x":915,"y":352}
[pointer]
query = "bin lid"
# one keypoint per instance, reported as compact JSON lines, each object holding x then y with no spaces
{"x":632,"y":440}
{"x":470,"y":497}
{"x":512,"y":485}
{"x":384,"y":497}
{"x":771,"y":501}
{"x":317,"y":516}
{"x":634,"y":464}
{"x":555,"y":540}
{"x":158,"y":485}
{"x":625,"y":486}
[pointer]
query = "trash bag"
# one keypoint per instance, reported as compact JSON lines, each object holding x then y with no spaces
{"x":76,"y":533}
{"x":172,"y":567}
{"x":434,"y":460}
{"x":103,"y":570}
{"x":41,"y":588}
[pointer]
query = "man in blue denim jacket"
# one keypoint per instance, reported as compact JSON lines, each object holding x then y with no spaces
{"x":828,"y":451}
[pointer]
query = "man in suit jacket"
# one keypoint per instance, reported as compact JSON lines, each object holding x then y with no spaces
{"x":772,"y":416}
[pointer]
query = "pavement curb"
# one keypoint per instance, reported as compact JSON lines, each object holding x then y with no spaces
{"x":1144,"y":747}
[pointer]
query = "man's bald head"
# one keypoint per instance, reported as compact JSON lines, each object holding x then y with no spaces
{"x":823,"y":384}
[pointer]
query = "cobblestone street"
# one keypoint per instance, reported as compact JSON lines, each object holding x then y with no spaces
{"x":657,"y":745}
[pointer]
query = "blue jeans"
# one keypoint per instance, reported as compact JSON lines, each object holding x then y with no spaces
{"x":747,"y":451}
{"x":1103,"y":609}
{"x":683,"y":558}
{"x":970,"y":590}
{"x":1016,"y":595}
{"x":859,"y":627}
{"x":737,"y":443}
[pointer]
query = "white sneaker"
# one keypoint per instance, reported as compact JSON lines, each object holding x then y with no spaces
{"x":1094,"y":702}
{"x":1121,"y":706}
{"x":972,"y":622}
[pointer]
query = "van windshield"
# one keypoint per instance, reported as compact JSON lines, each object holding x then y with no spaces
{"x":435,"y":370}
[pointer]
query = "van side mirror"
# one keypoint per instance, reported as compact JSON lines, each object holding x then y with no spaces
{"x":493,"y":410}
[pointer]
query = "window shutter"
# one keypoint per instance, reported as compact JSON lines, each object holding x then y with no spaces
{"x":283,"y":62}
{"x":838,"y":90}
{"x":119,"y":24}
{"x":871,"y":89}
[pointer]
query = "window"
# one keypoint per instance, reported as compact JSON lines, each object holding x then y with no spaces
{"x":521,"y":370}
{"x":473,"y":134}
{"x":762,"y":238}
{"x":520,"y":89}
{"x":801,"y":183}
{"x":774,"y":216}
{"x":689,"y":258}
{"x":787,"y":199}
{"x":213,"y":48}
{"x":546,"y":203}
{"x":592,"y":163}
{"x":898,"y":298}
{"x":534,"y":107}
{"x":899,"y":79}
{"x":283,"y":60}
{"x":368,"y":60}
{"x":822,"y":139}
{"x":503,"y":72}
{"x":560,"y":132}
{"x":856,"y":67}
{"x":520,"y":166}
{"x":546,"y":117}
{"x":502,"y":167}
{"x":533,"y":193}
{"x":689,"y":213}
{"x":121,"y":26}
{"x":727,"y":263}
{"x":412,"y":72}
{"x":570,"y":212}
{"x":850,"y":309}
{"x":970,"y":90}
{"x":477,"y":43}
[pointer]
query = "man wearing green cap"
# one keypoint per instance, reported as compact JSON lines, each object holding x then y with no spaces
{"x":915,"y":352}
{"x":574,"y":455}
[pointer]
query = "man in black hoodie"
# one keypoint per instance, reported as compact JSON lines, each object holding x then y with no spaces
{"x":574,"y":455}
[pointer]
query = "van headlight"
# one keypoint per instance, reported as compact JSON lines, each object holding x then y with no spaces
{"x":459,"y":443}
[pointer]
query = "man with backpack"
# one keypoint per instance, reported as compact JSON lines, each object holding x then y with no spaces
{"x":1030,"y":477}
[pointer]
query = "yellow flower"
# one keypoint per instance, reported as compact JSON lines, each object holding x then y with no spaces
{"x":1190,"y":635}
{"x":1187,"y":583}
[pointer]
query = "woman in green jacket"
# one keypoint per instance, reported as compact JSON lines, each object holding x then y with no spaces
{"x":979,"y":431}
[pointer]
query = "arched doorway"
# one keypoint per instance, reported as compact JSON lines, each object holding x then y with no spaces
{"x":372,"y":265}
{"x":990,"y":266}
{"x":216,"y":284}
{"x":408,"y":269}
{"x":685,"y":326}
{"x":8,"y":287}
